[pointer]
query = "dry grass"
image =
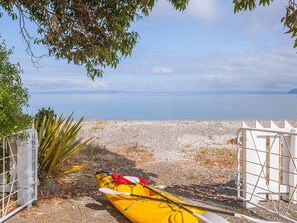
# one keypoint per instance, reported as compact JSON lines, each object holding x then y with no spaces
{"x":98,"y":125}
{"x":220,"y":158}
{"x":137,"y":153}
{"x":232,"y":141}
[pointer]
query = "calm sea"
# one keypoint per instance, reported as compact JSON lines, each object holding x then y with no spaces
{"x":144,"y":106}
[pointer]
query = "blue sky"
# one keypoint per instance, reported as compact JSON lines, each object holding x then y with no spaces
{"x":205,"y":48}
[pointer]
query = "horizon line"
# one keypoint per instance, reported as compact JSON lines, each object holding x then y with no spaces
{"x":158,"y":92}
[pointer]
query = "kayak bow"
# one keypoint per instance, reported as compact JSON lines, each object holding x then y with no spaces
{"x":150,"y":206}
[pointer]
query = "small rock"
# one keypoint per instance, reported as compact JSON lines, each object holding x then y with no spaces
{"x":49,"y":186}
{"x":161,"y":187}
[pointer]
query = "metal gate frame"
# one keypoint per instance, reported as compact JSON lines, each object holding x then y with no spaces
{"x":18,"y":174}
{"x":267,"y":169}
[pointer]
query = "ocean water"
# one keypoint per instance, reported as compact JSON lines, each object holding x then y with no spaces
{"x":145,"y":106}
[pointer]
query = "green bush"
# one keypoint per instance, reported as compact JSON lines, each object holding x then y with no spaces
{"x":13,"y":96}
{"x":48,"y":112}
{"x":58,"y":142}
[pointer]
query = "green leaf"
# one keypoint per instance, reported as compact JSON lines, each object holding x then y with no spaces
{"x":13,"y":96}
{"x":295,"y":44}
{"x":72,"y":29}
{"x":57,"y":143}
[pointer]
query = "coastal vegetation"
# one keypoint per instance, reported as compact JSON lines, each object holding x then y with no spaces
{"x":57,"y":136}
{"x":58,"y":142}
{"x":13,"y":96}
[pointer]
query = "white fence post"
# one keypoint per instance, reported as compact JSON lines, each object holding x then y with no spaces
{"x":287,"y":145}
{"x":25,"y":170}
{"x":274,"y":163}
{"x":293,"y":169}
{"x":254,"y":173}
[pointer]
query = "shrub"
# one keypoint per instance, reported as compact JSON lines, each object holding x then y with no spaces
{"x":48,"y":112}
{"x":57,"y":137}
{"x":13,"y":96}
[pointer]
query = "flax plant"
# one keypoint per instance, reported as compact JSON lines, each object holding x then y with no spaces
{"x":58,"y":142}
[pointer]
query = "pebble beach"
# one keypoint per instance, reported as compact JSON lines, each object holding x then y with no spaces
{"x":193,"y":159}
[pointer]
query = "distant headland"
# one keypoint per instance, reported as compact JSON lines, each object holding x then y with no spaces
{"x":293,"y":91}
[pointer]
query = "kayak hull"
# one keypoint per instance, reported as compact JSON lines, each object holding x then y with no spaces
{"x":145,"y":210}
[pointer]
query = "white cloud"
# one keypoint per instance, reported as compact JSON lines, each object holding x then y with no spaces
{"x":44,"y":84}
{"x":204,"y":10}
{"x":162,"y":70}
{"x":272,"y":70}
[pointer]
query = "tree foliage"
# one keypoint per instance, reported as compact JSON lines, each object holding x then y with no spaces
{"x":13,"y":96}
{"x":289,"y":20}
{"x":94,"y":33}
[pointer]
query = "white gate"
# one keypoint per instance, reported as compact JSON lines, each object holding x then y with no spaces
{"x":267,"y":169}
{"x":18,"y":172}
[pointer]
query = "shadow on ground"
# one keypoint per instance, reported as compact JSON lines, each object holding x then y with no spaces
{"x":98,"y":158}
{"x":217,"y":196}
{"x":82,"y":184}
{"x":104,"y":204}
{"x":220,"y":194}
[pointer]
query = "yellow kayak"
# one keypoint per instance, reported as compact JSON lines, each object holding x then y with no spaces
{"x":140,"y":205}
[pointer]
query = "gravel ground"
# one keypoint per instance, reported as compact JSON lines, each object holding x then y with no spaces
{"x":165,"y":139}
{"x":192,"y":159}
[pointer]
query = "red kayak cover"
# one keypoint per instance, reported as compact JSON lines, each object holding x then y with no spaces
{"x":119,"y":179}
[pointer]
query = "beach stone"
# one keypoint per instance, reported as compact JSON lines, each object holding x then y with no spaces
{"x":49,"y":186}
